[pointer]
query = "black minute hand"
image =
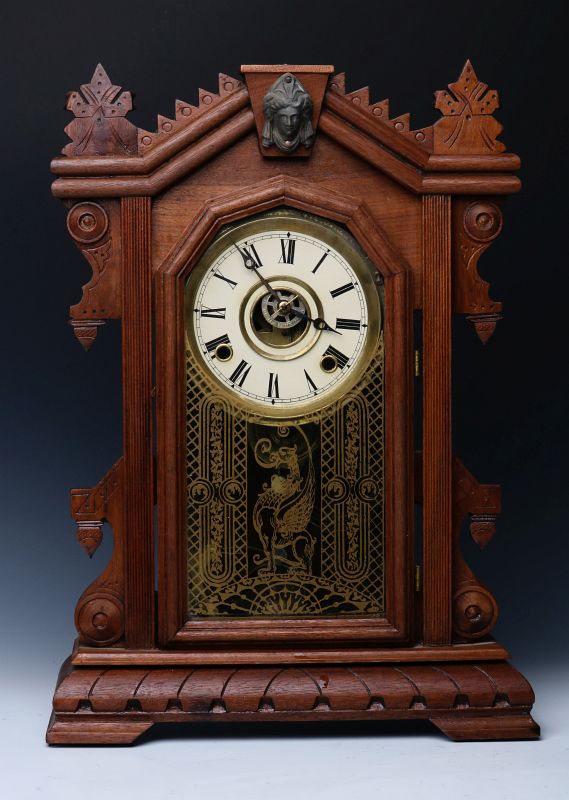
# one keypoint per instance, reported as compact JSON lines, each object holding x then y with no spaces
{"x":250,"y":264}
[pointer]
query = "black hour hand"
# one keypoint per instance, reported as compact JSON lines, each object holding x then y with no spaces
{"x":318,"y":323}
{"x":321,"y":325}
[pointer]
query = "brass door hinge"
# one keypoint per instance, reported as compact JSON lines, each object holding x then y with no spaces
{"x":417,"y":366}
{"x":418,"y":578}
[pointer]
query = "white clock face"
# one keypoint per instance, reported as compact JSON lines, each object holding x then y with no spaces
{"x":284,"y":312}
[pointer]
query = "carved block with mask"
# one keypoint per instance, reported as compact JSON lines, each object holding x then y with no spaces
{"x":288,"y":109}
{"x":272,"y":248}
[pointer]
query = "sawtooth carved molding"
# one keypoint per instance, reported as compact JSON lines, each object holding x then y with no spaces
{"x":474,"y":608}
{"x":99,"y":615}
{"x":379,"y":113}
{"x":186,"y":114}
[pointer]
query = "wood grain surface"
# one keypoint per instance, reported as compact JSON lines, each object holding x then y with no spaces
{"x":486,"y":700}
{"x":138,"y":504}
{"x":437,"y":454}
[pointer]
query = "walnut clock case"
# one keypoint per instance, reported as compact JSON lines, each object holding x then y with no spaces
{"x":275,"y":250}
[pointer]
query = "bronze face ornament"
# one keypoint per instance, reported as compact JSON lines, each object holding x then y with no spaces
{"x":288,"y":109}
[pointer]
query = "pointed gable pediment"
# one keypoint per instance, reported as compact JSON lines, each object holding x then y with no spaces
{"x":108,"y":156}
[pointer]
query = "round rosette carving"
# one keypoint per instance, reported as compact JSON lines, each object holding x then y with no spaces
{"x":474,"y":612}
{"x":99,"y":619}
{"x":482,"y":221}
{"x":87,"y":222}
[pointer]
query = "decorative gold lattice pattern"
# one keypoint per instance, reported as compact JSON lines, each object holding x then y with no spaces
{"x":285,"y":519}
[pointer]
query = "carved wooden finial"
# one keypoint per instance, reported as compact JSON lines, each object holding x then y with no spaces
{"x":100,"y":127}
{"x":482,"y":528}
{"x":467,"y":126}
{"x":484,"y":325}
{"x":86,"y":331}
{"x":90,"y":536}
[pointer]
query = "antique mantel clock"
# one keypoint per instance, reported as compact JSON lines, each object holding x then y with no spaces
{"x":272,"y":253}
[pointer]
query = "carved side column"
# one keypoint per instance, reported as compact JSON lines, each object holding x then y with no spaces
{"x":437,"y":455}
{"x":138,"y":505}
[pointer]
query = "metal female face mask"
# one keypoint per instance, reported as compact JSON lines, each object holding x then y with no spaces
{"x":288,"y":110}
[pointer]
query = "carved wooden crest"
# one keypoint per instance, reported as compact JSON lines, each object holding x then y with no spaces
{"x":100,"y":127}
{"x":467,"y":125}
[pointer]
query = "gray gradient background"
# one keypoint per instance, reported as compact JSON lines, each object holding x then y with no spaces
{"x":60,"y":425}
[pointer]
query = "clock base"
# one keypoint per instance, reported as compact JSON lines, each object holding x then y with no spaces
{"x":484,"y":700}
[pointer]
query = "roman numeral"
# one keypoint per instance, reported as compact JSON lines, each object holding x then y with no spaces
{"x":347,"y":287}
{"x":214,"y":343}
{"x":287,"y":247}
{"x":317,"y":267}
{"x":213,"y":313}
{"x":347,"y":324}
{"x":241,"y":371}
{"x":233,"y":284}
{"x":339,"y":356}
{"x":309,"y":381}
{"x":250,"y":252}
{"x":273,"y":385}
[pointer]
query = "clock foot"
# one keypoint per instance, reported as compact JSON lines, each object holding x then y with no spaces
{"x":492,"y":728}
{"x":87,"y":732}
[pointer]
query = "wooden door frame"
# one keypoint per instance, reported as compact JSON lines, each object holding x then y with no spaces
{"x":170,"y":277}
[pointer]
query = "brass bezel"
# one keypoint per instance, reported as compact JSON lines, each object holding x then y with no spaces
{"x":333,"y":236}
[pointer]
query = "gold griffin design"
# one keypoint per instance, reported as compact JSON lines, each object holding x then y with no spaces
{"x":284,"y":509}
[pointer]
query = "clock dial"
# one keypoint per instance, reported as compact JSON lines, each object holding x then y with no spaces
{"x":283,"y":312}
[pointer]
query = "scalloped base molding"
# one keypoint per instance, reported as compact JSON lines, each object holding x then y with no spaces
{"x":468,"y":702}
